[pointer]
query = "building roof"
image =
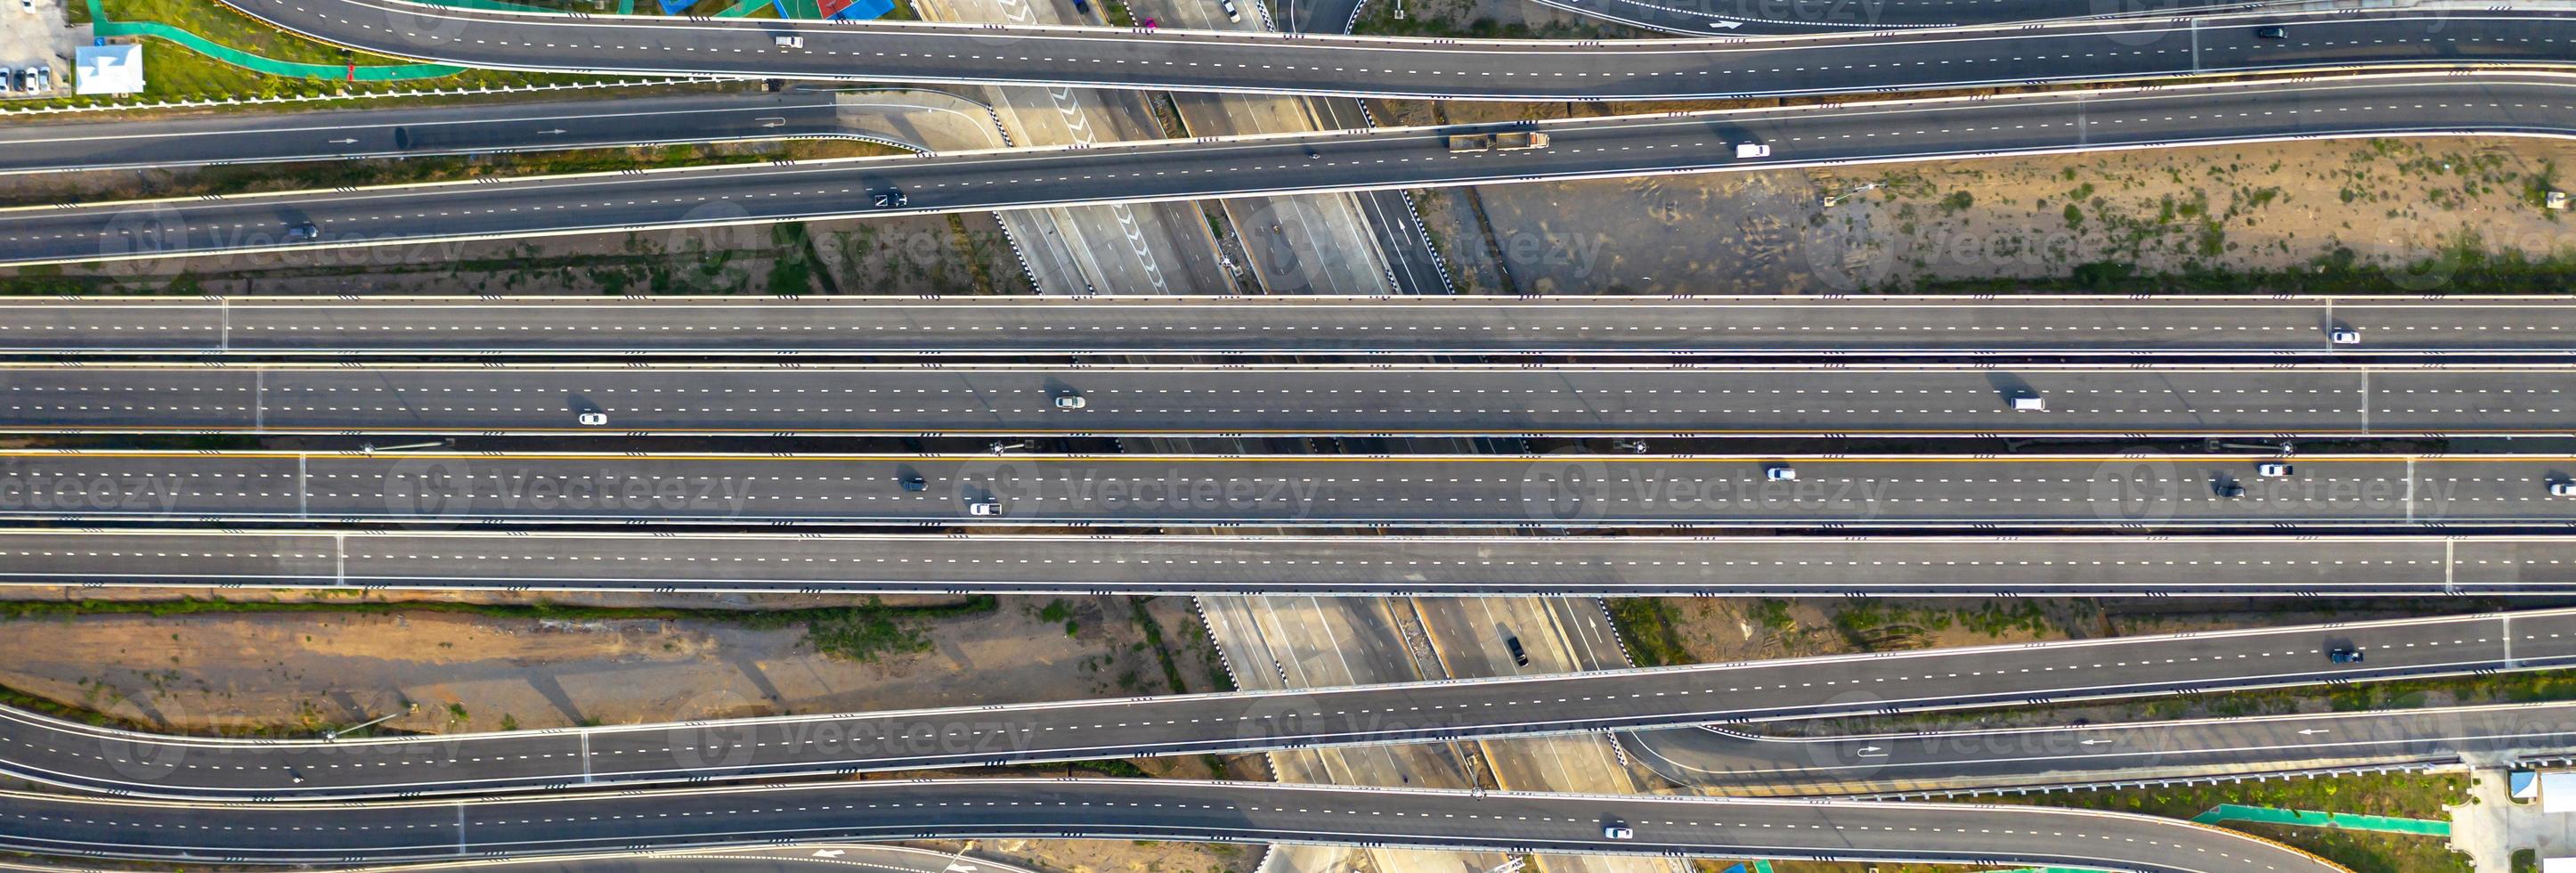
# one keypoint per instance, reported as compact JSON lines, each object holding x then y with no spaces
{"x":108,"y":69}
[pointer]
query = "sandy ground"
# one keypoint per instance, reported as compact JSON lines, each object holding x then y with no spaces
{"x":1118,"y":856}
{"x":2384,"y":203}
{"x":244,"y":671}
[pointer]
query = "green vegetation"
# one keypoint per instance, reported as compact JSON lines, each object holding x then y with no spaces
{"x":1646,"y":625}
{"x":792,"y":271}
{"x":240,"y":178}
{"x":1154,"y":637}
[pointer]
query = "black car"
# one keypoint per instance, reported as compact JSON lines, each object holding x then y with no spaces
{"x":2344,"y":655}
{"x":1519,"y":655}
{"x":2274,"y":32}
{"x":915,"y":483}
{"x":301,"y":231}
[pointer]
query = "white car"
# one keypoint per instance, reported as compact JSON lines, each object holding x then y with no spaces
{"x":983,"y":509}
{"x":1781,"y":473}
{"x":2562,"y":488}
{"x":2274,"y":470}
{"x":1232,"y":13}
{"x":1070,"y":401}
{"x":1752,"y":150}
{"x":592,"y":419}
{"x":1615,"y":832}
{"x":2344,"y":336}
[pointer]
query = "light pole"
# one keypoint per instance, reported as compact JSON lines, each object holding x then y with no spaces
{"x":334,"y":735}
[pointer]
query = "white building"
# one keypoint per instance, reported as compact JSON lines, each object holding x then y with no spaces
{"x":108,"y":69}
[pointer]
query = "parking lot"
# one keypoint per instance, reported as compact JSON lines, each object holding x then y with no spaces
{"x":32,"y":35}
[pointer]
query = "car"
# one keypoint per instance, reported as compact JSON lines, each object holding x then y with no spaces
{"x":892,"y":197}
{"x":2274,"y":470}
{"x":301,"y":231}
{"x":593,"y":418}
{"x":1752,"y":150}
{"x":294,"y":775}
{"x":915,"y":483}
{"x":1070,"y":400}
{"x":1312,"y":154}
{"x":1618,"y":832}
{"x":44,"y":78}
{"x":1081,"y":7}
{"x":984,"y":508}
{"x":2562,"y":488}
{"x":1513,"y":644}
{"x":794,"y":42}
{"x":2227,"y":489}
{"x":31,"y":81}
{"x":27,"y":5}
{"x":2028,"y":402}
{"x":1232,"y":12}
{"x":2344,"y":655}
{"x":1780,"y":473}
{"x":2272,"y":32}
{"x":2344,"y":336}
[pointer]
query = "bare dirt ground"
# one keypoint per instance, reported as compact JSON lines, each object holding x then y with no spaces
{"x":1118,"y":856}
{"x":245,"y":671}
{"x":2390,"y":206}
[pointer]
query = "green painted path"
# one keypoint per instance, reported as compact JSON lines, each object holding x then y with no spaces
{"x":101,"y":25}
{"x":2227,"y":812}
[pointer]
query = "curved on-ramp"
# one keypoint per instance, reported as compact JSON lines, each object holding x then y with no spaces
{"x":1142,"y":810}
{"x":104,"y":759}
{"x":2522,"y":104}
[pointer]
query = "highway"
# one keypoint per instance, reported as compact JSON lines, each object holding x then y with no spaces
{"x":803,"y":858}
{"x":1140,"y":810}
{"x":237,"y":138}
{"x":1302,"y":325}
{"x":1748,"y":17}
{"x":103,"y":759}
{"x":2522,"y":103}
{"x":1448,"y":566}
{"x":1310,"y":64}
{"x":1567,"y":491}
{"x":2116,"y":401}
{"x":1934,"y":762}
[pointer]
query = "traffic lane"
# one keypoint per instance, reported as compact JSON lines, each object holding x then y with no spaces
{"x":1380,"y":159}
{"x":219,"y":139}
{"x":1879,"y":763}
{"x":1180,"y":325}
{"x":1751,"y":17}
{"x":2229,"y":566}
{"x":105,"y":759}
{"x":1200,"y":812}
{"x":1273,"y":399}
{"x":1558,"y":491}
{"x":1463,"y":69}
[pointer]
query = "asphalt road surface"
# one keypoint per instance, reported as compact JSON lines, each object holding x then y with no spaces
{"x":888,"y":51}
{"x":1140,"y":810}
{"x":1945,"y":761}
{"x":407,"y":131}
{"x":1749,"y":17}
{"x":826,"y":563}
{"x":1274,"y":400}
{"x":105,"y":759}
{"x":2058,"y":491}
{"x":802,"y":858}
{"x":1591,"y":326}
{"x":432,"y":216}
